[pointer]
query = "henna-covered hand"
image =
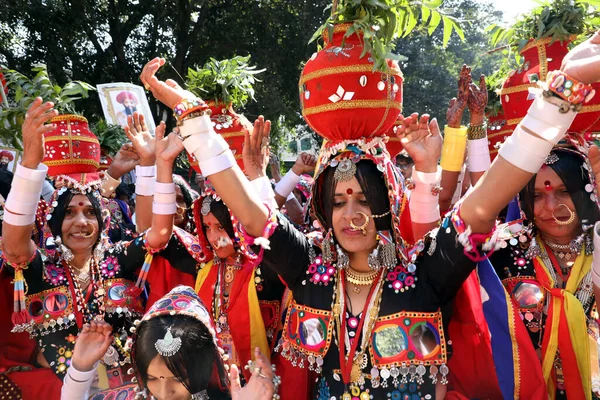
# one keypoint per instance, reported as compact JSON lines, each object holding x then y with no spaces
{"x":457,"y":105}
{"x":478,"y":97}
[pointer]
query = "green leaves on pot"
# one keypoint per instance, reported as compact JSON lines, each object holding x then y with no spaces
{"x":22,"y":92}
{"x":111,"y":137}
{"x":227,"y":81}
{"x":383,"y":21}
{"x":559,"y":20}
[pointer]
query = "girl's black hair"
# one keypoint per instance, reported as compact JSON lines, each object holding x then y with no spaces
{"x":569,"y":169}
{"x":372,"y":184}
{"x":58,"y":216}
{"x":194,"y":364}
{"x":222,"y":214}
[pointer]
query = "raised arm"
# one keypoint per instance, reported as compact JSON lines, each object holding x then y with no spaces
{"x":525,"y":151}
{"x":21,"y":203}
{"x":210,"y":149}
{"x":125,"y":161}
{"x":478,"y":152}
{"x":164,"y":205}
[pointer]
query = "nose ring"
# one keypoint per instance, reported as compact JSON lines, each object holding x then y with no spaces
{"x":567,"y":222}
{"x":363,"y":227}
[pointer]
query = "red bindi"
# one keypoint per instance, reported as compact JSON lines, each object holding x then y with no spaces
{"x":349,"y":191}
{"x":81,"y":204}
{"x":548,"y":185}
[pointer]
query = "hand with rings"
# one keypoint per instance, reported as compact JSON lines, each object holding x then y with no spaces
{"x":255,"y":152}
{"x":262,"y":384}
{"x":363,"y":227}
{"x":142,"y":140}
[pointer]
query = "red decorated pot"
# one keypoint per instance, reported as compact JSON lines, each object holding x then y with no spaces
{"x":497,"y":132}
{"x":341,"y":96}
{"x":540,"y":57}
{"x":231,"y":126}
{"x":71,"y":148}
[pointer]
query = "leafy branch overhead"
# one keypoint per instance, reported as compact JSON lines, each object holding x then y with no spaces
{"x":382,"y":21}
{"x":559,"y":20}
{"x":22,"y":92}
{"x":227,"y":81}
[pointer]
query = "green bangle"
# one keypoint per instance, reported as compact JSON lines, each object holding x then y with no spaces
{"x":475,"y":132}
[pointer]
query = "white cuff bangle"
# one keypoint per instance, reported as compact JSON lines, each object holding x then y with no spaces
{"x":20,"y":207}
{"x":28,"y":186}
{"x":205,"y":147}
{"x":430,"y":178}
{"x":423,"y":213}
{"x":18,"y":220}
{"x":287,"y":184}
{"x":195,"y":126}
{"x":546,"y":121}
{"x":217,"y":164}
{"x":291,"y":196}
{"x":262,"y":186}
{"x":165,"y":198}
{"x":37,"y":175}
{"x":164,"y":209}
{"x":525,"y":151}
{"x":478,"y":155}
{"x":160,"y":187}
{"x":145,"y":171}
{"x":144,"y":185}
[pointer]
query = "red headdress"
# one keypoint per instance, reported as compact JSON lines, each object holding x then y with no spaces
{"x":125,"y":95}
{"x":7,"y":154}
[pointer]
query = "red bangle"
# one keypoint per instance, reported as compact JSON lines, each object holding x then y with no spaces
{"x":187,"y":106}
{"x":569,"y":89}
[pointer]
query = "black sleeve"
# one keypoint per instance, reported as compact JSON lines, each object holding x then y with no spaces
{"x":289,"y":254}
{"x":447,"y":267}
{"x":179,"y":257}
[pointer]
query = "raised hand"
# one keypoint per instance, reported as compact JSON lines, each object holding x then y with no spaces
{"x":256,"y":149}
{"x":478,"y":97}
{"x":125,"y":161}
{"x":583,"y":61}
{"x":422,"y":140}
{"x":142,"y":140}
{"x":169,"y":93}
{"x":33,"y":130}
{"x":275,"y":168}
{"x":457,"y":105}
{"x":260,"y":386}
{"x":305,"y":164}
{"x":91,"y":345}
{"x":167,"y":148}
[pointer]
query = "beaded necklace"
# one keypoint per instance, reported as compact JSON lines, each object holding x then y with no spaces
{"x":220,"y":306}
{"x":96,"y":286}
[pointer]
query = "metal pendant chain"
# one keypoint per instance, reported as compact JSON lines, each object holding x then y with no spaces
{"x":96,"y":284}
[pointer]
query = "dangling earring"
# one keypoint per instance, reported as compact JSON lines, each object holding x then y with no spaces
{"x":64,"y":251}
{"x":327,"y":248}
{"x":373,"y":259}
{"x":343,"y":261}
{"x":387,"y":250}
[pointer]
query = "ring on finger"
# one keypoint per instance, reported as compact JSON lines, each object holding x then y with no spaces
{"x":257,"y":370}
{"x":261,"y":375}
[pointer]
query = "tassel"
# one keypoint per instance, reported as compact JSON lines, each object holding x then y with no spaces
{"x":136,"y":290}
{"x":20,"y":317}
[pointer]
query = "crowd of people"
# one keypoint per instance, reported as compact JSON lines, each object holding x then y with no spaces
{"x":314,"y":284}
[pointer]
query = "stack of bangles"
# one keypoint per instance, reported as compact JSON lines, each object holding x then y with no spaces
{"x":453,"y":149}
{"x":478,"y":151}
{"x":199,"y":138}
{"x":164,"y":199}
{"x":25,"y":191}
{"x":145,"y":180}
{"x":424,"y":199}
{"x":190,"y":108}
{"x":546,"y":122}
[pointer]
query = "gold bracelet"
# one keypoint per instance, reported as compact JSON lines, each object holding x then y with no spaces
{"x":475,"y":132}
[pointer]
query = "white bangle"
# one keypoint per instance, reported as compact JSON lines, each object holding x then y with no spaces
{"x":18,"y":220}
{"x":168,"y":187}
{"x":287,"y":184}
{"x":478,"y":159}
{"x":424,"y":205}
{"x":596,"y":260}
{"x":525,"y":151}
{"x":165,"y":198}
{"x":217,"y":164}
{"x":164,"y":209}
{"x":145,"y":171}
{"x":205,"y":147}
{"x":290,"y":196}
{"x":36,"y":175}
{"x":144,"y":185}
{"x":262,"y":186}
{"x":546,"y":121}
{"x":109,"y":185}
{"x":195,"y":126}
{"x":20,"y":207}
